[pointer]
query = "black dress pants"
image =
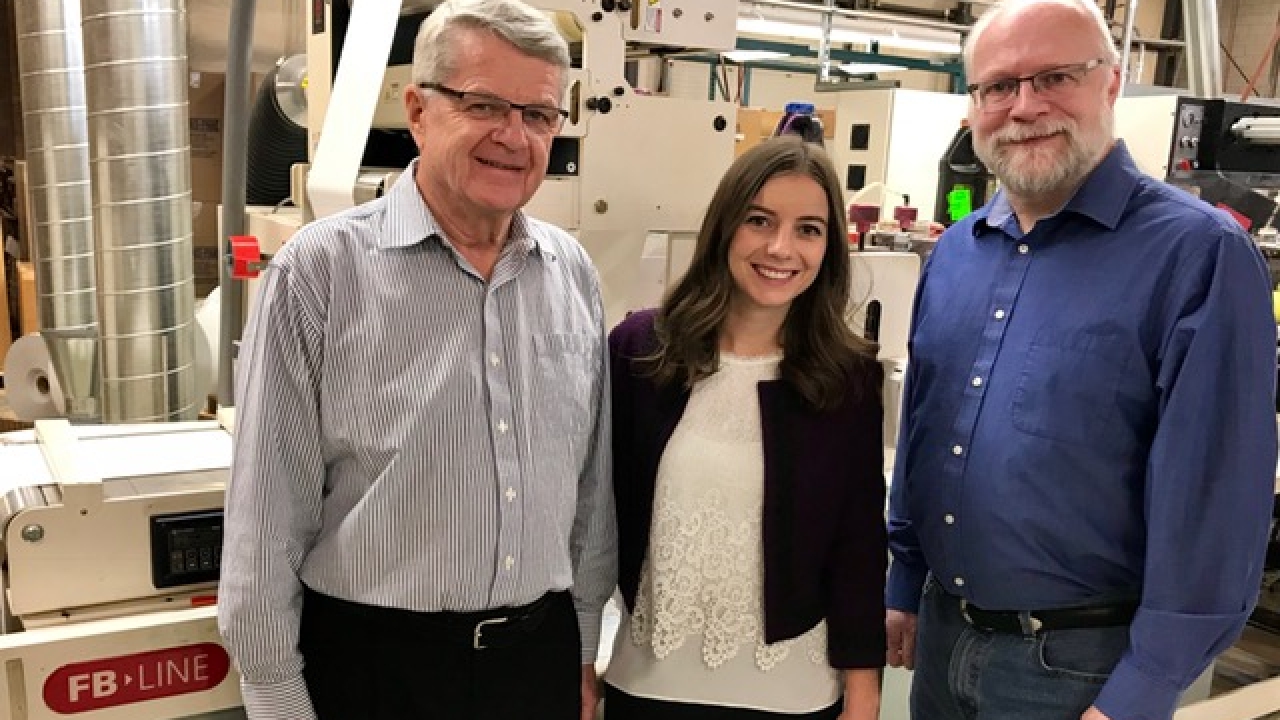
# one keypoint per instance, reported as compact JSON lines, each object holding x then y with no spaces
{"x":372,"y":663}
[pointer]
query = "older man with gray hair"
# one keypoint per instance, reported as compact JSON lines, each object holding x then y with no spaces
{"x":419,"y":521}
{"x":1080,"y":504}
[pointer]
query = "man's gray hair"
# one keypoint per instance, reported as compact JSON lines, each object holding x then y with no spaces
{"x":528,"y":30}
{"x":1106,"y":44}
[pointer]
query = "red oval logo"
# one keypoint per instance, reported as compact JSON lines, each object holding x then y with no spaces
{"x":127,"y":679}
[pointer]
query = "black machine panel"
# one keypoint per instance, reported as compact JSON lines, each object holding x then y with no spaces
{"x":186,"y":548}
{"x":1203,"y":141}
{"x":1207,"y":157}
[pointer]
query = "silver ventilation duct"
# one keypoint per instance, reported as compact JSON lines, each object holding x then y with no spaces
{"x":51,"y":64}
{"x":136,"y":76}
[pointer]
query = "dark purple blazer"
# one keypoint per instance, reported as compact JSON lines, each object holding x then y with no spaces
{"x":824,"y":534}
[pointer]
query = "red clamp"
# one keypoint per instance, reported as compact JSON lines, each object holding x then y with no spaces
{"x":246,"y":257}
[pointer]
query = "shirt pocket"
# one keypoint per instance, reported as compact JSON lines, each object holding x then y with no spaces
{"x":1069,"y":385}
{"x":568,"y":374}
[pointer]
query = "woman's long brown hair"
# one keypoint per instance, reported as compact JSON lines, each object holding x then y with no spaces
{"x":821,"y":353}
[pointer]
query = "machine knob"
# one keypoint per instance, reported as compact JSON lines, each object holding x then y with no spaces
{"x":607,"y":5}
{"x":591,"y":103}
{"x":624,"y":5}
{"x":604,"y":105}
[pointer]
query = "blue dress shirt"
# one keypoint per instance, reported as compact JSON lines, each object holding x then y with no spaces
{"x":1088,"y":415}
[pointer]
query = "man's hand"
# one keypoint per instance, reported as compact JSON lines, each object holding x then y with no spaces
{"x":590,"y":691}
{"x":901,"y":629}
{"x":1093,"y":713}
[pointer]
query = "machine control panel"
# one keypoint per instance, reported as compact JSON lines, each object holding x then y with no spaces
{"x":1205,"y":141}
{"x":1185,"y":153}
{"x":186,"y":548}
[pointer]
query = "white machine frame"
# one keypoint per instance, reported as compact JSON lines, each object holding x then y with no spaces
{"x":88,"y":633}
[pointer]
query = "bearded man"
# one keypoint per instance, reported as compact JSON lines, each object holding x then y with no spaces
{"x":1087,"y":455}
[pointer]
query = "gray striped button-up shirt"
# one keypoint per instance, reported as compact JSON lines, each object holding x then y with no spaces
{"x":411,"y":436}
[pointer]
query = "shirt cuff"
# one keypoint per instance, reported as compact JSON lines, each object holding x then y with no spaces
{"x":1131,"y":694}
{"x":287,"y":699}
{"x":589,"y":631}
{"x":904,"y":588}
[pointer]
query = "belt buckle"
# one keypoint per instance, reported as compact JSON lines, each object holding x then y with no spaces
{"x":475,"y":634}
{"x":1031,"y":625}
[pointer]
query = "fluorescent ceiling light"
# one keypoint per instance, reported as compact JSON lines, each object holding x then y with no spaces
{"x":803,"y":31}
{"x":742,"y":56}
{"x":903,"y":42}
{"x":786,"y":23}
{"x":869,"y":68}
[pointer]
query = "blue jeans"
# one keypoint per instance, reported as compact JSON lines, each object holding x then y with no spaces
{"x":963,"y":673}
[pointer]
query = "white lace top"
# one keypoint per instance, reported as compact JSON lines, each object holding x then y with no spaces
{"x":697,"y":634}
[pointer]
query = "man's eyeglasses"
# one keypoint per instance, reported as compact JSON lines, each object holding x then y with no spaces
{"x":543,"y":119}
{"x":999,"y":94}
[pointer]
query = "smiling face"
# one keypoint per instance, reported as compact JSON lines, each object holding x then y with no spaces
{"x":777,"y":251}
{"x":472,"y":168}
{"x":1043,"y":144}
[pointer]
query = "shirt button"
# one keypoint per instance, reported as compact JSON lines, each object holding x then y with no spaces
{"x":959,"y":582}
{"x":949,"y":519}
{"x":494,"y":360}
{"x":502,"y":426}
{"x":957,"y":450}
{"x":509,"y":562}
{"x":1000,"y":314}
{"x":977,"y":381}
{"x":1023,"y":249}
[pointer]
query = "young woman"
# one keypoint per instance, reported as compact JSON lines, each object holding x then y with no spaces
{"x":748,"y":467}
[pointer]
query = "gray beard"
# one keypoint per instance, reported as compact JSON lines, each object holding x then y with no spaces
{"x":1065,"y":173}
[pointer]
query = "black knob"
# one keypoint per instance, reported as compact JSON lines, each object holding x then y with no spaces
{"x":597,"y":16}
{"x":591,"y":103}
{"x":607,"y":5}
{"x":604,"y":105}
{"x":624,"y":5}
{"x":719,"y":123}
{"x":619,"y":91}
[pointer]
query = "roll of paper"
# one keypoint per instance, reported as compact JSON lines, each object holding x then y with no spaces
{"x":208,"y":318}
{"x":31,"y":387}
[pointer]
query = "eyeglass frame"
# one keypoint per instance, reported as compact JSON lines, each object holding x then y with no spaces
{"x":462,"y":95}
{"x":1084,"y":68}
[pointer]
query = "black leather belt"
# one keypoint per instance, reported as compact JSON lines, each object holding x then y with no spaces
{"x":1030,"y":623}
{"x":498,"y":628}
{"x":508,"y":628}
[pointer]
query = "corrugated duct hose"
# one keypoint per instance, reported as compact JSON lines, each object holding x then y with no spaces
{"x":277,"y":133}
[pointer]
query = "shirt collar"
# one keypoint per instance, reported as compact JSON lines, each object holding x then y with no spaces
{"x":1102,"y":198}
{"x":409,"y":221}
